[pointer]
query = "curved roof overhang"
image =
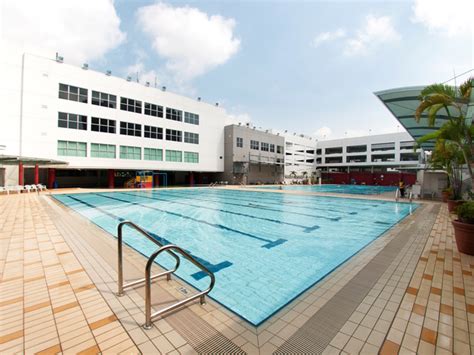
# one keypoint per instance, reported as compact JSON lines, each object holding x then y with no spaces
{"x":402,"y":103}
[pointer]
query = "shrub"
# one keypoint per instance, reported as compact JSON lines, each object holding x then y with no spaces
{"x":465,"y":212}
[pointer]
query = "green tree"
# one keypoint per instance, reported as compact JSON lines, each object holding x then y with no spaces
{"x":457,"y":104}
{"x":448,"y":157}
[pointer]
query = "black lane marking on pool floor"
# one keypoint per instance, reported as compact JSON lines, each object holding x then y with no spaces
{"x":249,"y":205}
{"x":306,"y":229}
{"x":197,"y":276}
{"x":268,"y":243}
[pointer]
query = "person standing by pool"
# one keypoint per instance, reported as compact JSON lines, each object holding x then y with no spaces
{"x":401,"y":186}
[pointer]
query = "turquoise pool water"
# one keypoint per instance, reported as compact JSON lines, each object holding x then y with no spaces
{"x":342,"y":189}
{"x":264,"y":248}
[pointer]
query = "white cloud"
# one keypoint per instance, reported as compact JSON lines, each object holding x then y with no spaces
{"x":452,"y":17}
{"x":192,"y":42}
{"x":323,"y":133}
{"x":376,"y":31}
{"x":328,"y":36}
{"x":78,"y":31}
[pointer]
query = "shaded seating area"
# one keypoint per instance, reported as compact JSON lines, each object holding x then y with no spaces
{"x":23,"y":162}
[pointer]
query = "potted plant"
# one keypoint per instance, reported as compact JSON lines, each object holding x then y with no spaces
{"x":464,"y":228}
{"x":446,"y":194}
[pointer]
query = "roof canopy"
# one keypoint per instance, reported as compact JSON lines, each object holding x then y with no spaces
{"x":402,"y":103}
{"x":15,"y":160}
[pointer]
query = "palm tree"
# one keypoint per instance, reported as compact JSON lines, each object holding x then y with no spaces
{"x":454,"y":102}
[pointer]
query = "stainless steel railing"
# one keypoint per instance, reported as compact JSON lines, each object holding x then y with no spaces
{"x":149,"y":277}
{"x":201,"y":295}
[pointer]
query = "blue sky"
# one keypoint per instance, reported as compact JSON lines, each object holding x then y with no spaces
{"x":309,"y":67}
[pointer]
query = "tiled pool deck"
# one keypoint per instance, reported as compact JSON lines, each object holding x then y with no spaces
{"x":410,"y":291}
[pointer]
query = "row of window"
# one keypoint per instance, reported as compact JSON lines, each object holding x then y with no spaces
{"x":73,"y":121}
{"x":374,"y":158}
{"x":97,"y":150}
{"x":256,"y":145}
{"x":74,"y":93}
{"x":379,"y":147}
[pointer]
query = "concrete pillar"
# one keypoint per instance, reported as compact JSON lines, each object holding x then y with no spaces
{"x":21,"y":174}
{"x":36,"y":174}
{"x":51,"y":177}
{"x":111,"y":178}
{"x":191,"y":179}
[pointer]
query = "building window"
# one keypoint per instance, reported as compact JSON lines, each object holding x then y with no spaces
{"x":335,"y":150}
{"x":173,"y":135}
{"x":191,"y":118}
{"x":130,"y":105}
{"x":334,"y":160}
{"x":102,"y":150}
{"x":240,"y":142}
{"x":254,"y":145}
{"x":279,"y":149}
{"x":103,"y":99}
{"x":409,"y":157}
{"x":191,"y":138}
{"x":153,"y":154}
{"x":356,"y":148}
{"x":127,"y":152}
{"x":191,"y":157}
{"x":73,"y":93}
{"x":102,"y":125}
{"x":381,"y":158}
{"x":265,"y":147}
{"x":356,"y":159}
{"x":409,"y":145}
{"x":71,"y":120}
{"x":174,"y":155}
{"x":153,"y":132}
{"x":272,"y":148}
{"x":175,"y":115}
{"x":381,"y":147}
{"x":72,"y":149}
{"x":153,"y":110}
{"x":318,"y":151}
{"x":130,"y":129}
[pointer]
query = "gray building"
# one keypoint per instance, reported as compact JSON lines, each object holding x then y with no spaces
{"x":253,"y":156}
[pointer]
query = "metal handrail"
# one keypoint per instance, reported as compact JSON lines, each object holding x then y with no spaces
{"x":397,"y":195}
{"x":121,"y":285}
{"x":201,"y":295}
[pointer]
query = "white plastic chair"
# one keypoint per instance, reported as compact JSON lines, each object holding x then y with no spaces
{"x":41,"y":187}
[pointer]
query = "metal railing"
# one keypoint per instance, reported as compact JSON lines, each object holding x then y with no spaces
{"x":398,"y":194}
{"x":149,"y":277}
{"x":201,"y":295}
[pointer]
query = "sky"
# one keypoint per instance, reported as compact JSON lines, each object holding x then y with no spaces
{"x":308,"y":67}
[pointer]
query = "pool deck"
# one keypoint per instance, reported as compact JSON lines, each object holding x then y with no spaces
{"x":409,"y":291}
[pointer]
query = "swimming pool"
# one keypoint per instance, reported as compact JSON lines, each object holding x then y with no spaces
{"x":264,"y":248}
{"x":342,"y":189}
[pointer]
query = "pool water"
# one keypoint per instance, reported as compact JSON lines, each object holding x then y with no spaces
{"x":264,"y":248}
{"x":342,"y":189}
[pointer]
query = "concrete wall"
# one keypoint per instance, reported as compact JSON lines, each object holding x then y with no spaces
{"x":30,"y":126}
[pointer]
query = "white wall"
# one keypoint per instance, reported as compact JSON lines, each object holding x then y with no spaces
{"x":40,"y":117}
{"x":396,"y":138}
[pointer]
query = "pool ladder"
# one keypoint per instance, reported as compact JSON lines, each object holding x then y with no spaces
{"x":171,"y":250}
{"x":397,"y":195}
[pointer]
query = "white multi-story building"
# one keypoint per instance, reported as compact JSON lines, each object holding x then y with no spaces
{"x":95,"y":122}
{"x":392,"y":150}
{"x":300,"y":155}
